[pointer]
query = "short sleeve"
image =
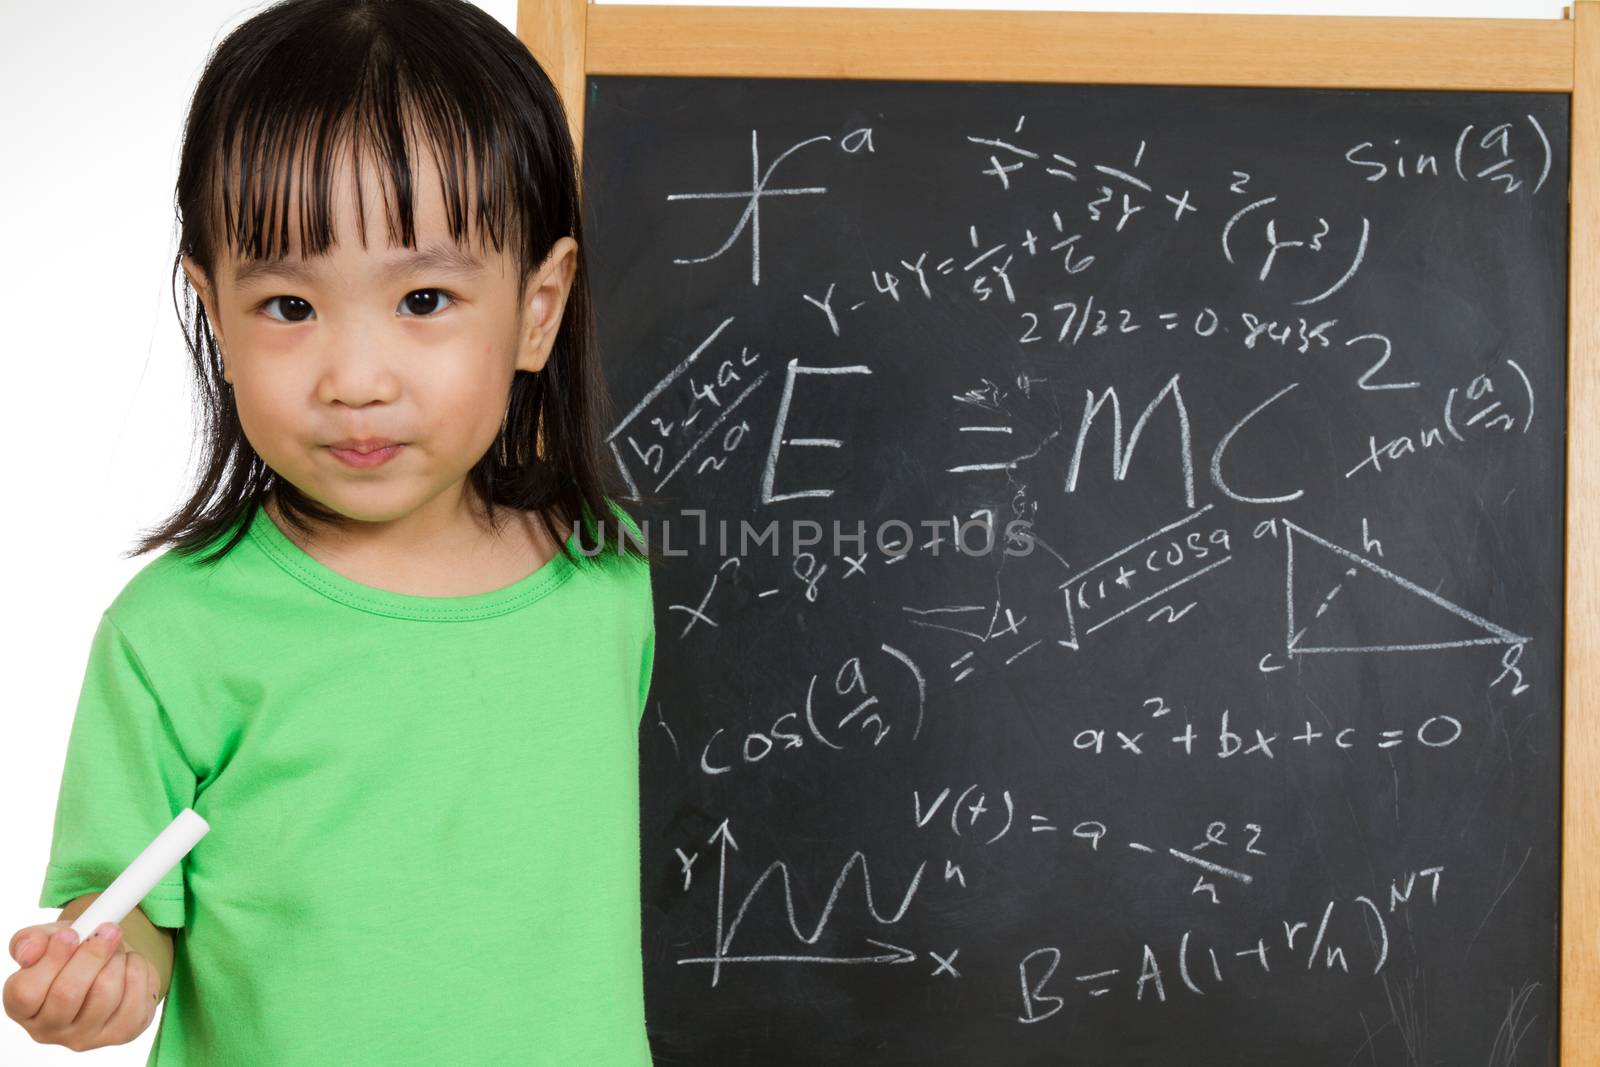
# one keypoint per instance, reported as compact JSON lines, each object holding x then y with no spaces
{"x":123,"y":781}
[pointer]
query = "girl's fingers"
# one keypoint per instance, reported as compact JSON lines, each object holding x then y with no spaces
{"x":27,"y":991}
{"x":105,"y":995}
{"x":65,"y":973}
{"x":70,"y":989}
{"x":138,"y":1007}
{"x":28,"y":943}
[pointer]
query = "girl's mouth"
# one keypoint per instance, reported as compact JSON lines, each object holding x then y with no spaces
{"x":363,"y":460}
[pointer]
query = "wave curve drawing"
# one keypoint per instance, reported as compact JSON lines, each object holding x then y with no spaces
{"x":724,"y":938}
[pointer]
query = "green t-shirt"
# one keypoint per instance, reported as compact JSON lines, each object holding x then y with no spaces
{"x":424,"y":811}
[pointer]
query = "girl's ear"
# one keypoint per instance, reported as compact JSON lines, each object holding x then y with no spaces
{"x":197,"y":278}
{"x":202,"y":287}
{"x":546,"y":300}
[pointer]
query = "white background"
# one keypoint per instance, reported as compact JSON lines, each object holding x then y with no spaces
{"x":96,"y":437}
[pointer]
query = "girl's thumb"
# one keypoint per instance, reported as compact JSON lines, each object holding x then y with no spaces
{"x":32,"y":942}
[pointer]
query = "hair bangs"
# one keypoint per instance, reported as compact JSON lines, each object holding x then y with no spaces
{"x":283,"y":142}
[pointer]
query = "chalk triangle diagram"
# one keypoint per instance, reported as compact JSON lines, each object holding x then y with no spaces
{"x":1337,"y":600}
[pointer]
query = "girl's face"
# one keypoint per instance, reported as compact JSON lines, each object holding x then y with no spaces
{"x":417,"y":347}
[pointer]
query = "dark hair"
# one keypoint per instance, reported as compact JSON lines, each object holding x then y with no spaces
{"x":323,"y":73}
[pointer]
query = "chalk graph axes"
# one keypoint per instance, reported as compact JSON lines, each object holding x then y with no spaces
{"x":1494,"y":635}
{"x":724,"y":937}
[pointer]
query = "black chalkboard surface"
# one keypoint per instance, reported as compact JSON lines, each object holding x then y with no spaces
{"x":1111,"y":605}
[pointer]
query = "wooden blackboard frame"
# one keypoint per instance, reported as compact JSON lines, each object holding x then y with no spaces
{"x":573,"y":39}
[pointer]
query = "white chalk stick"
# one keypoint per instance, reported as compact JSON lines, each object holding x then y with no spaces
{"x":141,"y":876}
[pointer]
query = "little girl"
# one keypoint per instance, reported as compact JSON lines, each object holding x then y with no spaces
{"x":398,"y":649}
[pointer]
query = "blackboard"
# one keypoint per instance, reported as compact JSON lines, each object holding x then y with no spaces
{"x":1207,"y":706}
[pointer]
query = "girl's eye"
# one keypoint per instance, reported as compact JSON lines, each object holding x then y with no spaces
{"x":297,"y":315}
{"x":423,"y":306}
{"x":297,"y":310}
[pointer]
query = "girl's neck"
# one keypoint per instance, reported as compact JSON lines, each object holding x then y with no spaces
{"x":462,"y":558}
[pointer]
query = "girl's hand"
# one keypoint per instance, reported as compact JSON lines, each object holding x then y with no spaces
{"x":83,"y":996}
